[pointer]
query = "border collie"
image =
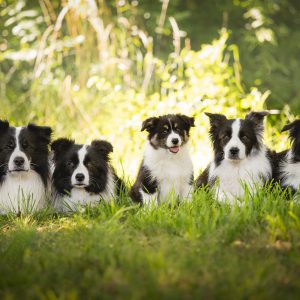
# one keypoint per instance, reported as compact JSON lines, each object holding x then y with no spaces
{"x":289,"y":160}
{"x":24,"y":168}
{"x":167,"y":167}
{"x":240,"y":157}
{"x":82,"y":174}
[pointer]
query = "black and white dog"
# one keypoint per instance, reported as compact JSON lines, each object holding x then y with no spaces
{"x":82,"y":174}
{"x":24,"y":168}
{"x":167,"y":168}
{"x":289,"y":160}
{"x":240,"y":157}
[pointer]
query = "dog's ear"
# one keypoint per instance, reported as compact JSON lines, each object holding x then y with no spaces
{"x":257,"y":118}
{"x":61,"y":145}
{"x":287,"y":127}
{"x":149,"y":124}
{"x":216,"y":120}
{"x":102,"y":146}
{"x":4,"y":125}
{"x":292,"y":126}
{"x":188,"y":121}
{"x":43,"y":132}
{"x":294,"y":134}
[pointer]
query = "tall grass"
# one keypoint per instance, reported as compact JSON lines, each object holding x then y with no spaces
{"x":201,"y":249}
{"x":90,"y":71}
{"x":94,"y":74}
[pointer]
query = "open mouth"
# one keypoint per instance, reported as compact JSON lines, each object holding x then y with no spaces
{"x":174,"y":149}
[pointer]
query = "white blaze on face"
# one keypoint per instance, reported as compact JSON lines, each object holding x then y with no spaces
{"x":235,"y":141}
{"x":173,"y":135}
{"x":18,"y":153}
{"x":81,"y":169}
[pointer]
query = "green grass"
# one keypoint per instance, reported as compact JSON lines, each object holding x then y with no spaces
{"x":198,"y":250}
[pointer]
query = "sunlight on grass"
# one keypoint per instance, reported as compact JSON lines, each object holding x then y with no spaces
{"x":165,"y":250}
{"x":96,"y":70}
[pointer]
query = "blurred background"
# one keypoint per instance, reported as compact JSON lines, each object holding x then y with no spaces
{"x":98,"y":68}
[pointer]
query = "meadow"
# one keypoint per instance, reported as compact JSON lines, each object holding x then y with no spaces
{"x":97,"y":69}
{"x":201,"y":249}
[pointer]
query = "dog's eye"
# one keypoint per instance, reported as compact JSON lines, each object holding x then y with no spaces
{"x":10,"y":145}
{"x":225,"y":138}
{"x":165,"y":131}
{"x":70,"y":164}
{"x":244,"y":138}
{"x":24,"y":144}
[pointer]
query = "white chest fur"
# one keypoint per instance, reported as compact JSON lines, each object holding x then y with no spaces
{"x":290,"y":172}
{"x":77,"y":198}
{"x":232,"y":176}
{"x":172,"y":172}
{"x":22,"y":192}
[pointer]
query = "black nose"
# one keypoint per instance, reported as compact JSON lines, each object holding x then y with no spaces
{"x":175,"y":141}
{"x":19,"y":161}
{"x":79,"y":177}
{"x":234,"y":151}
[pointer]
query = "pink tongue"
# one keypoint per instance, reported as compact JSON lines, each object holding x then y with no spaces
{"x":174,"y":149}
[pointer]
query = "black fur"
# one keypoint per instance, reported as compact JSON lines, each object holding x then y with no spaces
{"x":202,"y":180}
{"x":221,"y":132}
{"x":159,"y":128}
{"x":282,"y":158}
{"x":33,"y":140}
{"x":294,"y":133}
{"x":144,"y":182}
{"x":96,"y":161}
{"x":250,"y":134}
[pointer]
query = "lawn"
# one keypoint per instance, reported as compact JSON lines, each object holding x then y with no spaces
{"x":197,"y":250}
{"x":97,"y":70}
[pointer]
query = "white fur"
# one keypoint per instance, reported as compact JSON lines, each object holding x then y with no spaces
{"x":80,"y":197}
{"x":290,"y":172}
{"x":235,"y":141}
{"x":149,"y":199}
{"x":173,"y":135}
{"x":18,"y":153}
{"x":81,"y":168}
{"x":22,"y":192}
{"x":231,"y":176}
{"x":171,"y":171}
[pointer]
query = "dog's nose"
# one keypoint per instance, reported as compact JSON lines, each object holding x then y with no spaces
{"x":79,"y":177}
{"x":19,"y":161}
{"x":234,"y":150}
{"x":175,"y":141}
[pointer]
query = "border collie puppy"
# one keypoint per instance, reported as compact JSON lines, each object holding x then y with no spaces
{"x":240,"y":157}
{"x":289,"y":160}
{"x":24,"y":168}
{"x":82,"y":174}
{"x":167,"y":168}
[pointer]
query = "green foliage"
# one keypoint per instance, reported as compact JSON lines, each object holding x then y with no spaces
{"x":90,"y":71}
{"x":97,"y":70}
{"x":265,"y":31}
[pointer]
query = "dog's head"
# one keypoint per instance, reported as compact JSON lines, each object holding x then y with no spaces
{"x":294,"y":133}
{"x":168,"y":132}
{"x":235,"y":139}
{"x":80,"y":166}
{"x":23,"y":148}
